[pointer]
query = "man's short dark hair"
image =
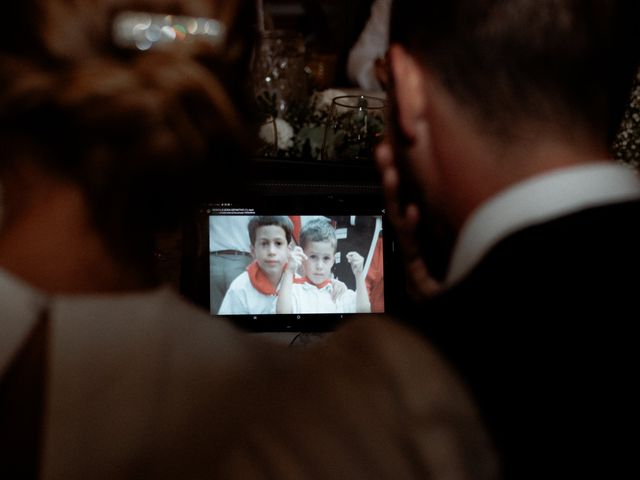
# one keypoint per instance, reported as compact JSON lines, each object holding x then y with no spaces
{"x":562,"y":61}
{"x":281,"y":221}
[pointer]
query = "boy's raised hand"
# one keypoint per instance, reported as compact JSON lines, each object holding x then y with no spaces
{"x":357,"y":263}
{"x":338,"y":289}
{"x":295,"y":257}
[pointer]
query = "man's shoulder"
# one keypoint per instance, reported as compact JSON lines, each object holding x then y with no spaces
{"x":585,"y":258}
{"x":620,"y":215}
{"x":592,"y":236}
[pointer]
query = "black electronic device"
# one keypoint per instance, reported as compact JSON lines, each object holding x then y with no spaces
{"x":218,"y":234}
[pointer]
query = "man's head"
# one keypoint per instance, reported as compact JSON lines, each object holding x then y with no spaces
{"x":318,"y":240}
{"x":488,"y":92}
{"x":270,"y":236}
{"x":563,"y":62}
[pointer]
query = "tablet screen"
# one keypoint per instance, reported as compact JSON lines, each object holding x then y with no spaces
{"x":340,"y":267}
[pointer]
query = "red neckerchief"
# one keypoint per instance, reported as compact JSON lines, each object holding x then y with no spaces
{"x":259,"y":280}
{"x":306,"y":280}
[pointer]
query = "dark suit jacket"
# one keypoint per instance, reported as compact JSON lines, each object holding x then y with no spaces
{"x":544,"y":332}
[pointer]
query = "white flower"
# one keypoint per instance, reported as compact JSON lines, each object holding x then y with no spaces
{"x":284,"y":131}
{"x":323,"y":99}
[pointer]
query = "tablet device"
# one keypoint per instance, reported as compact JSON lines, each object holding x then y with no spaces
{"x":227,"y":271}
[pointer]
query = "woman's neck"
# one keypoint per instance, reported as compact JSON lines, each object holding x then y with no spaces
{"x":48,"y":241}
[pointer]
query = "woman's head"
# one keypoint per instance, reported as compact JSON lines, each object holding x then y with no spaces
{"x":142,"y":133}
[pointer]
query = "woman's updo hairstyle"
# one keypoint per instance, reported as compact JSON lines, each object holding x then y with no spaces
{"x":144,"y":133}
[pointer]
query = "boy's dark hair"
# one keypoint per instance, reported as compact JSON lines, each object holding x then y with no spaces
{"x":562,"y":62}
{"x":281,"y":221}
{"x":318,"y":230}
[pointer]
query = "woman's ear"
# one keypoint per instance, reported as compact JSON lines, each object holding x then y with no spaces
{"x":409,"y":91}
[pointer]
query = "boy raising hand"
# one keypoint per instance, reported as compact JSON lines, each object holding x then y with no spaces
{"x":316,"y":291}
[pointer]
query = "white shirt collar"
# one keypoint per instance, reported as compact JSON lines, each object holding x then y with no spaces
{"x":20,"y":306}
{"x":313,"y":287}
{"x":536,"y":200}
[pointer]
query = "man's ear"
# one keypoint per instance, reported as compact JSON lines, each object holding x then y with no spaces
{"x":253,"y":252}
{"x":409,"y":89}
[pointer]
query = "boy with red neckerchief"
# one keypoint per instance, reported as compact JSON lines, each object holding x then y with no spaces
{"x":317,"y":292}
{"x":254,"y":292}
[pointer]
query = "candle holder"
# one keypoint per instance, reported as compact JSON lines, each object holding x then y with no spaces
{"x":278,"y":70}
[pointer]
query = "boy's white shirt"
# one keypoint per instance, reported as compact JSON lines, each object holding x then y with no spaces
{"x":308,"y":298}
{"x":243,"y":299}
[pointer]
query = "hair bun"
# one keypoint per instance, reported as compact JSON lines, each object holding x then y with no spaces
{"x":142,"y":133}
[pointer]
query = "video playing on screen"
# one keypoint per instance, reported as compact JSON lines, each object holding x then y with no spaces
{"x":295,"y":264}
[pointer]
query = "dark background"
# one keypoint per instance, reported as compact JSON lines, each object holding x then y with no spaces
{"x":328,"y":26}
